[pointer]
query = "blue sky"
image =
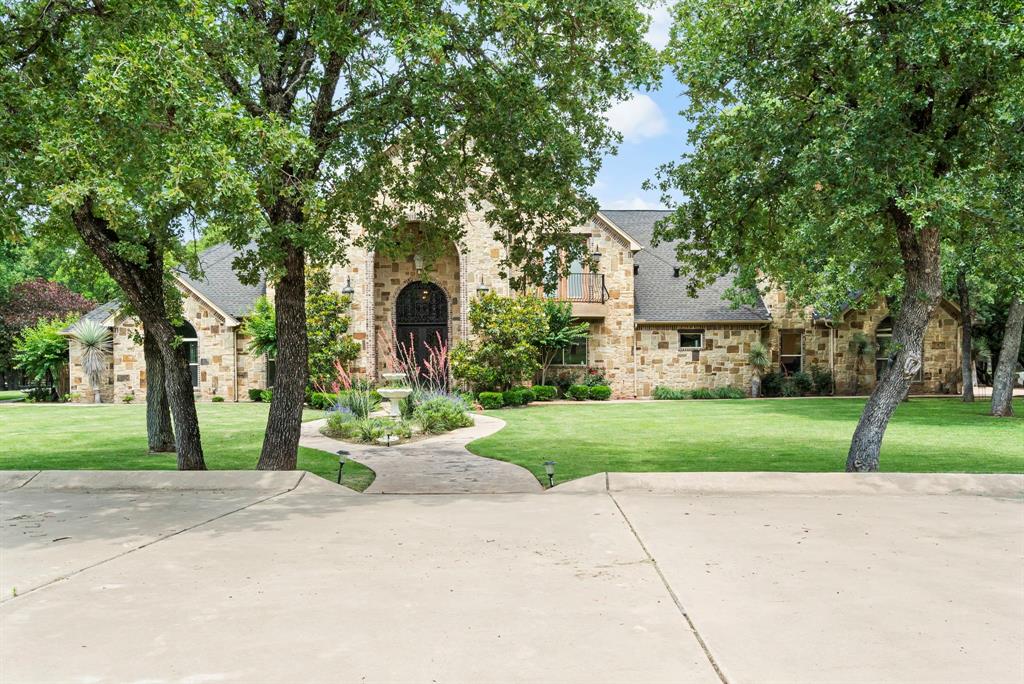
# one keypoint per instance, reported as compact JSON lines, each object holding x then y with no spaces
{"x":653,"y":133}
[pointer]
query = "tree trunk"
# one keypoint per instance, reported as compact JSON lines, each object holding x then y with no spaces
{"x":1002,"y":383}
{"x":921,"y":292}
{"x":966,"y":351}
{"x":143,"y":288}
{"x":281,"y":442}
{"x":158,"y":413}
{"x":755,"y":386}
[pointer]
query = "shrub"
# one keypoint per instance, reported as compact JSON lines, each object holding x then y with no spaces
{"x":491,"y":400}
{"x":771,"y":384}
{"x":218,"y":399}
{"x":668,"y":393}
{"x":369,"y":429}
{"x":528,"y":395}
{"x":600,"y":392}
{"x":821,"y":379}
{"x":324,"y":401}
{"x":595,"y":378}
{"x":442,"y":414}
{"x":128,"y":398}
{"x":255,"y":395}
{"x":267,"y":395}
{"x":803,"y":382}
{"x":728,"y":393}
{"x":514,"y":397}
{"x":565,"y":379}
{"x":789,"y":388}
{"x":544,"y":392}
{"x":340,"y":423}
{"x":361,"y":400}
{"x":578,"y":392}
{"x":702,"y":393}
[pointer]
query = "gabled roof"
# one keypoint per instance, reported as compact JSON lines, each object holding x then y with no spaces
{"x":219,"y":287}
{"x":660,"y":296}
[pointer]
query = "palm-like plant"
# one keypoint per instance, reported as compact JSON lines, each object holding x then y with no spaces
{"x":95,"y":341}
{"x":759,"y":358}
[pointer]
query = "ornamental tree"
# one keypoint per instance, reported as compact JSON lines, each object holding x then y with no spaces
{"x":503,"y":352}
{"x":837,"y":145}
{"x":563,"y":331}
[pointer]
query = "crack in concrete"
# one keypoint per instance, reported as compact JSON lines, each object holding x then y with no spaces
{"x":671,"y":591}
{"x":79,"y":571}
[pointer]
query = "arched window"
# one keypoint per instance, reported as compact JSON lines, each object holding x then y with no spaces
{"x":190,"y":345}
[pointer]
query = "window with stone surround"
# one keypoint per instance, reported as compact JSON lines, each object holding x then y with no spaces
{"x":791,"y":351}
{"x":190,"y":345}
{"x":576,"y":355}
{"x":691,"y":340}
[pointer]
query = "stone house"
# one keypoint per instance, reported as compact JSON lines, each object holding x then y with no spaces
{"x":645,"y":330}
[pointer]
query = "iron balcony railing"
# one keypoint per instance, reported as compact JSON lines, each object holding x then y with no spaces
{"x":581,"y":287}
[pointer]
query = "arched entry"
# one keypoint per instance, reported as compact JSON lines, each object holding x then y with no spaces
{"x":421,"y":318}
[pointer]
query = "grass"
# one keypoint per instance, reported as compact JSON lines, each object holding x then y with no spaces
{"x":113,"y":437}
{"x":6,"y":395}
{"x":799,"y":435}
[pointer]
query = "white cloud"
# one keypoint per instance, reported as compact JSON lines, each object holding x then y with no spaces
{"x":661,"y":21}
{"x":634,"y":202}
{"x":637,"y":118}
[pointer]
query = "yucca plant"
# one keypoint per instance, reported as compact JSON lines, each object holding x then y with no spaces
{"x":759,"y":358}
{"x":96,"y":345}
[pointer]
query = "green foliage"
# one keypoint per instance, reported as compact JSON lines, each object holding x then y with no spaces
{"x":217,"y":399}
{"x":668,"y":393}
{"x":578,"y":392}
{"x":728,"y":392}
{"x":544,"y":392}
{"x":528,"y":395}
{"x":595,"y":378}
{"x":41,"y":351}
{"x":260,"y":326}
{"x":267,"y":395}
{"x":821,"y":127}
{"x":513,"y":397}
{"x":491,"y":400}
{"x":324,"y":401}
{"x":95,"y":344}
{"x":600,"y":392}
{"x":503,"y":353}
{"x":821,"y":380}
{"x":327,"y":323}
{"x":361,"y":400}
{"x":563,"y":331}
{"x":255,"y":394}
{"x":789,"y":388}
{"x":802,"y":381}
{"x":759,"y":358}
{"x":771,"y":384}
{"x":702,"y":393}
{"x":128,"y":398}
{"x":442,"y":414}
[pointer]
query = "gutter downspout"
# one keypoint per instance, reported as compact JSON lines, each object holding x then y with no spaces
{"x":635,"y":366}
{"x":832,"y":354}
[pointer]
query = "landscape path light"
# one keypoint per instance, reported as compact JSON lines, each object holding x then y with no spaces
{"x":342,"y":460}
{"x":549,"y":468}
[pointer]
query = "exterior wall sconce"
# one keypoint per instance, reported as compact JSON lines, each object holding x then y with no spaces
{"x":347,"y":290}
{"x":482,"y":289}
{"x":417,"y":261}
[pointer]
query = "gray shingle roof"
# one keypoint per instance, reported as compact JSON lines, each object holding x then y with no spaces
{"x":219,"y":283}
{"x":99,"y":314}
{"x":660,"y":296}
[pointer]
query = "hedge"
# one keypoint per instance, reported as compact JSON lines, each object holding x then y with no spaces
{"x":544,"y":392}
{"x":578,"y":392}
{"x":600,"y":392}
{"x":491,"y":400}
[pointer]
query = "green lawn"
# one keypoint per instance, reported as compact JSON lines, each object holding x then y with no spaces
{"x":113,"y":437}
{"x":925,"y":435}
{"x":6,"y":395}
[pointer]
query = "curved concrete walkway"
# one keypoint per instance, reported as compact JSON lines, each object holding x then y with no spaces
{"x":435,"y":465}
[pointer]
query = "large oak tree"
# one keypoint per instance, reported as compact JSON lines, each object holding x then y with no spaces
{"x":372,"y":113}
{"x":835,"y":145}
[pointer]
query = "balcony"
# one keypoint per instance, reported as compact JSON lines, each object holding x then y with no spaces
{"x":585,"y":291}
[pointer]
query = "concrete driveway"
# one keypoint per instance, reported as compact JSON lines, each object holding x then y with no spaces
{"x":284,"y":577}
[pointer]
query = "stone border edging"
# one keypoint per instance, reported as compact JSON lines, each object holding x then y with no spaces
{"x":998,"y":485}
{"x":167,"y":480}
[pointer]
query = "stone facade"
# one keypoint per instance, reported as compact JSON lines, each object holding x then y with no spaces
{"x":634,"y":357}
{"x":226,"y":369}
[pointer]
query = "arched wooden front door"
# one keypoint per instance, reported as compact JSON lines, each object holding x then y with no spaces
{"x":421,"y":319}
